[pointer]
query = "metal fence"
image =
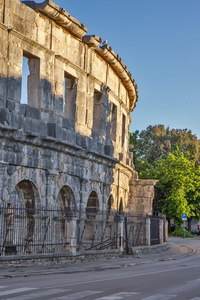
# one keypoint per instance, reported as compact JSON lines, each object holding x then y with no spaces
{"x":35,"y":231}
{"x":134,"y":231}
{"x":32,"y":231}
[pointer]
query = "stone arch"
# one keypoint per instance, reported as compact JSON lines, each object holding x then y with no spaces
{"x":66,"y":224}
{"x":66,"y":200}
{"x":65,"y":183}
{"x":28,"y":199}
{"x":92,"y":205}
{"x":16,"y":186}
{"x":26,"y":194}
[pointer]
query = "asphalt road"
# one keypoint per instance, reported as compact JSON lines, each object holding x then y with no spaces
{"x":156,"y":280}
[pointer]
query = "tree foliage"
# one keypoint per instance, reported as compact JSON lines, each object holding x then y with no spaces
{"x":179,"y":180}
{"x":173,"y":158}
{"x":157,"y":141}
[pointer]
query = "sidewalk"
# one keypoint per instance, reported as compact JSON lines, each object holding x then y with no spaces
{"x":174,"y":251}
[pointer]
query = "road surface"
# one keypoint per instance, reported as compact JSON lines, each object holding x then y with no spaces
{"x":159,"y":280}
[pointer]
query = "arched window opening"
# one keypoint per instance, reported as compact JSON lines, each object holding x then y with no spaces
{"x":92,"y":205}
{"x":67,"y":201}
{"x":26,"y":194}
{"x":63,"y":229}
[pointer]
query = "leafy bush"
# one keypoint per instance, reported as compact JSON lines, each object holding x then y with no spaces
{"x":182,"y":232}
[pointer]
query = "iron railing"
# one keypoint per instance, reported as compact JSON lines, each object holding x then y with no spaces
{"x":35,"y":231}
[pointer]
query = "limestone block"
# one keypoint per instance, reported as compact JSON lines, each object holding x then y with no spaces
{"x":1,"y":10}
{"x":10,"y":169}
{"x":14,"y":88}
{"x":70,"y":137}
{"x":67,"y":124}
{"x":5,"y":117}
{"x":78,"y":139}
{"x":108,"y":150}
{"x":60,"y":133}
{"x":30,"y":112}
{"x":10,"y":105}
{"x":85,"y":141}
{"x":80,"y":114}
{"x":51,"y":129}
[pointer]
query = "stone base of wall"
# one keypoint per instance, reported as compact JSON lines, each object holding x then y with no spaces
{"x":149,"y":249}
{"x":54,"y":259}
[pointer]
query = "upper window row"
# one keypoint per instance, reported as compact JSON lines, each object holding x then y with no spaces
{"x":30,"y":93}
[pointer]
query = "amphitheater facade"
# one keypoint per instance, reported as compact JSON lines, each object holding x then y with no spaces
{"x":65,"y":124}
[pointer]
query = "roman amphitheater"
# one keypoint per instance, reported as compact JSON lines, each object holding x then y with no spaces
{"x":66,"y":173}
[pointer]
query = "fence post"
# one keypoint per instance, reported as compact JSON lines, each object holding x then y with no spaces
{"x":148,"y":231}
{"x":121,"y":235}
{"x":119,"y":220}
{"x":166,"y":231}
{"x":73,"y":237}
{"x":161,"y":231}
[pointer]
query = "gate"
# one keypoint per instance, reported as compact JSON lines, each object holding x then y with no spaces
{"x":134,"y":232}
{"x":154,"y":229}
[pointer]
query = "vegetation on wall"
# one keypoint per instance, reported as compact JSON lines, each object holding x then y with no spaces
{"x":173,"y":158}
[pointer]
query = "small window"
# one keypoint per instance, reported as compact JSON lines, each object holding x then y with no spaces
{"x":30,"y":80}
{"x":113,"y":122}
{"x":123,"y":129}
{"x":97,"y":112}
{"x":69,"y":96}
{"x":25,"y":74}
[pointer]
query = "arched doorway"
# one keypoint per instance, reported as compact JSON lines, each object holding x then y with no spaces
{"x":27,"y":195}
{"x":91,"y":230}
{"x":67,"y":201}
{"x":66,"y":226}
{"x":92,"y":206}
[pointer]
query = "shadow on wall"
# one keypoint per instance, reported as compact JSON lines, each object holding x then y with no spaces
{"x":43,"y":138}
{"x":46,"y":118}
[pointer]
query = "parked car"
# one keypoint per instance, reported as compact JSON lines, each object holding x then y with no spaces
{"x":197,"y":231}
{"x":173,"y":227}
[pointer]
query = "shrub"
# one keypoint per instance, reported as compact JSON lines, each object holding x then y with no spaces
{"x":182,"y":232}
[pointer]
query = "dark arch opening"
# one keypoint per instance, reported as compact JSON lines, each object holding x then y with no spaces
{"x":27,"y":197}
{"x":92,"y":205}
{"x":67,"y":201}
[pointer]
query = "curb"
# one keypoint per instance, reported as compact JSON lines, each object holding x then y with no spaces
{"x":99,"y":268}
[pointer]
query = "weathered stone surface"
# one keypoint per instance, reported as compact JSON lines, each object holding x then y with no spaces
{"x":73,"y":133}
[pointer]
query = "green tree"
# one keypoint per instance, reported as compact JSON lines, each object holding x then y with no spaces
{"x":157,"y":141}
{"x":173,"y":158}
{"x":179,"y":181}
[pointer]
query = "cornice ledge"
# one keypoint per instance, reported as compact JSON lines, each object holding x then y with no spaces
{"x":92,"y":40}
{"x":60,"y":16}
{"x":115,"y":61}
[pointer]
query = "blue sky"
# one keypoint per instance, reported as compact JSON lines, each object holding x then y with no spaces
{"x":159,"y":41}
